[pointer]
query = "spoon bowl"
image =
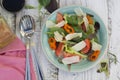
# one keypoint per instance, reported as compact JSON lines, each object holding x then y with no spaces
{"x":27,"y":26}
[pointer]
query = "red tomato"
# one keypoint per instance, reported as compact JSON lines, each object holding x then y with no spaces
{"x":87,"y":48}
{"x":70,"y":55}
{"x":67,"y":54}
{"x":59,"y":49}
{"x":59,"y":17}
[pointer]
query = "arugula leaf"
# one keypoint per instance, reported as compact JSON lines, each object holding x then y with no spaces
{"x":50,"y":34}
{"x":71,"y":19}
{"x":60,"y":30}
{"x":79,"y":30}
{"x":90,"y":29}
{"x":80,"y":20}
{"x":77,"y":39}
{"x":53,"y":29}
{"x":96,"y":39}
{"x":69,"y":43}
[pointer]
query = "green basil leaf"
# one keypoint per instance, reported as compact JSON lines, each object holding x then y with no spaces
{"x":44,"y":3}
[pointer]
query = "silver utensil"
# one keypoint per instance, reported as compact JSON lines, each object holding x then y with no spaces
{"x":27,"y":28}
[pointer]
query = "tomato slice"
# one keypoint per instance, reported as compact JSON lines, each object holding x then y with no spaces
{"x":66,"y":54}
{"x":59,"y":17}
{"x":59,"y":50}
{"x":87,"y":48}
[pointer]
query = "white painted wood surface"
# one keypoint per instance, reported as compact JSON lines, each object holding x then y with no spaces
{"x":108,"y":10}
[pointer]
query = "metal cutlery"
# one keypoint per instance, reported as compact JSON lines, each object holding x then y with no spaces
{"x":27,"y":28}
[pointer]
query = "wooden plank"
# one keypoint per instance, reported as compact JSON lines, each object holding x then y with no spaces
{"x":114,"y":19}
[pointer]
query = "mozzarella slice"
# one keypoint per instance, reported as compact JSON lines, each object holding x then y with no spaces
{"x":79,"y":46}
{"x":60,"y":24}
{"x":85,"y":21}
{"x":79,"y":12}
{"x":50,"y":24}
{"x":58,"y":37}
{"x":70,"y":60}
{"x":73,"y":35}
{"x":96,"y":46}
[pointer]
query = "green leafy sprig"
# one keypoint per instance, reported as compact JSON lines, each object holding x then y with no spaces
{"x":29,"y":7}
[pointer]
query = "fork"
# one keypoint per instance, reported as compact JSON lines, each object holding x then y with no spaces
{"x":27,"y":27}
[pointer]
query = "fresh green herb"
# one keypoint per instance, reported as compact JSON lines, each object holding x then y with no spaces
{"x":113,"y":58}
{"x":104,"y":64}
{"x":50,"y":34}
{"x":80,"y":20}
{"x":90,"y":29}
{"x":44,"y":3}
{"x":104,"y":67}
{"x":70,"y":50}
{"x":72,"y":19}
{"x":77,"y":39}
{"x":69,"y":43}
{"x":79,"y":30}
{"x":53,"y":29}
{"x":29,"y":7}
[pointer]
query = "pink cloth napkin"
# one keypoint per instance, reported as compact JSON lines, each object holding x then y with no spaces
{"x":12,"y":62}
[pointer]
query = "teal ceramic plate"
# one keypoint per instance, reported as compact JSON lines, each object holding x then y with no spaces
{"x":85,"y":64}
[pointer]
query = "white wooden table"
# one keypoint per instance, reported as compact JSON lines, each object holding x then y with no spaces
{"x":108,"y":10}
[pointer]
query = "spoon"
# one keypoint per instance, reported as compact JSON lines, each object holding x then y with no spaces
{"x":27,"y":28}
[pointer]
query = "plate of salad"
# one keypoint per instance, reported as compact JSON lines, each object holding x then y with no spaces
{"x":74,"y":38}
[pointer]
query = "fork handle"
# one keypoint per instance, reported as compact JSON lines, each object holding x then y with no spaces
{"x":27,"y":74}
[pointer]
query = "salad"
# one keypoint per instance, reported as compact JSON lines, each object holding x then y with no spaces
{"x":73,"y":37}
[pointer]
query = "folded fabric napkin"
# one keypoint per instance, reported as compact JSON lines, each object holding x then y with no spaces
{"x":12,"y":61}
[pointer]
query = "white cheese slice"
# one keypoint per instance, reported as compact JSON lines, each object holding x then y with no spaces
{"x":58,"y":37}
{"x":70,"y":60}
{"x":96,"y":46}
{"x":79,"y":46}
{"x":60,"y":24}
{"x":79,"y":12}
{"x":73,"y":35}
{"x":50,"y":24}
{"x":85,"y":22}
